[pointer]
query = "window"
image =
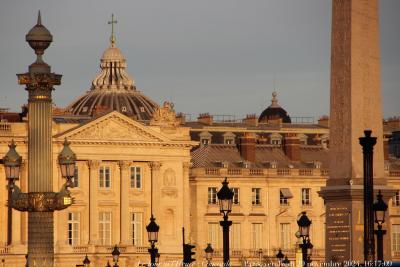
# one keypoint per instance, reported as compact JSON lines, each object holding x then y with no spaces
{"x":105,"y":228}
{"x":213,"y":234}
{"x":305,"y":196}
{"x":212,"y":195}
{"x":229,"y":138}
{"x":76,"y":177}
{"x":275,"y":139}
{"x":73,"y":228}
{"x":136,"y":177}
{"x":256,"y":196}
{"x":142,"y":109}
{"x":275,"y":142}
{"x":285,"y":235}
{"x":205,"y":141}
{"x":256,"y":232}
{"x":234,"y":236}
{"x":395,"y":237}
{"x":236,"y":195}
{"x":396,"y":199}
{"x":137,"y":222}
{"x":229,"y":141}
{"x":105,"y":177}
{"x":283,"y":199}
{"x":284,"y":195}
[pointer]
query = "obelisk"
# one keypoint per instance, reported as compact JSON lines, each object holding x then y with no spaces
{"x":355,"y":105}
{"x":39,"y":83}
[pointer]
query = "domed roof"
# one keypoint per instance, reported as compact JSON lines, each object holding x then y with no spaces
{"x":112,"y":53}
{"x":274,"y":112}
{"x":113,"y":89}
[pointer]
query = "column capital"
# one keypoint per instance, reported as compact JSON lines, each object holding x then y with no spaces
{"x":93,"y":164}
{"x":124,"y":165}
{"x":155,"y":165}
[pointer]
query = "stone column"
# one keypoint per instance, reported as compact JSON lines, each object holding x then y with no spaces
{"x":155,"y":180}
{"x":93,"y":205}
{"x":39,"y":82}
{"x":125,"y":236}
{"x":186,"y":200}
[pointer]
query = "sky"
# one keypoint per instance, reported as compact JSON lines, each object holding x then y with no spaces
{"x":223,"y":57}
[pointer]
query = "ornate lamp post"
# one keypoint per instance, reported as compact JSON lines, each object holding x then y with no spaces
{"x":380,"y":208}
{"x":304,"y":231}
{"x":12,"y":164}
{"x":225,"y":198}
{"x":367,"y":142}
{"x":209,"y":253}
{"x":86,"y":261}
{"x":67,"y":159}
{"x":152,"y":232}
{"x":280,"y":257}
{"x":286,"y":261}
{"x":40,"y":201}
{"x":115,"y":254}
{"x":310,"y":246}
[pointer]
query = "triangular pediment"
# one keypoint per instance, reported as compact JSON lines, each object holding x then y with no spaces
{"x":113,"y":126}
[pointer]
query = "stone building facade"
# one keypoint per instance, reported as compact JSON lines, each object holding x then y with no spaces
{"x":136,"y":158}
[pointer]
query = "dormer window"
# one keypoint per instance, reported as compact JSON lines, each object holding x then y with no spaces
{"x":229,"y":141}
{"x":317,"y":164}
{"x":303,"y":139}
{"x":84,"y":109}
{"x":142,"y":109}
{"x":229,"y":138}
{"x":275,"y":139}
{"x":324,"y":141}
{"x":123,"y":109}
{"x":205,"y":138}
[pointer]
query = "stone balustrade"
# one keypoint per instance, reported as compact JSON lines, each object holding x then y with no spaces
{"x":282,"y":172}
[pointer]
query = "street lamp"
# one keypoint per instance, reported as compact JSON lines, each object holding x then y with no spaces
{"x":225,"y":198}
{"x":152,"y":232}
{"x":280,"y":256}
{"x":304,"y":232}
{"x":12,"y":165}
{"x":367,"y":142}
{"x":67,"y":159}
{"x":115,"y":254}
{"x":286,"y":261}
{"x":86,"y":261}
{"x":209,"y":253}
{"x":380,"y":208}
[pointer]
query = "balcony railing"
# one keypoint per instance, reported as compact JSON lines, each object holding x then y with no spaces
{"x":283,"y":172}
{"x":394,"y":173}
{"x":234,"y":171}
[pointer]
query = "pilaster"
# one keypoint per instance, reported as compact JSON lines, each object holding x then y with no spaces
{"x":124,"y":202}
{"x":93,"y":205}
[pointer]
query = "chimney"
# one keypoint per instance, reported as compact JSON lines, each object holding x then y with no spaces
{"x":291,"y":146}
{"x":324,"y":121}
{"x":247,"y":147}
{"x":205,"y":118}
{"x":181,"y":118}
{"x":250,"y":120}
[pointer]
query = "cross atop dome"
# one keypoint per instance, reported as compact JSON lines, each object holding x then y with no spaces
{"x":112,"y":22}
